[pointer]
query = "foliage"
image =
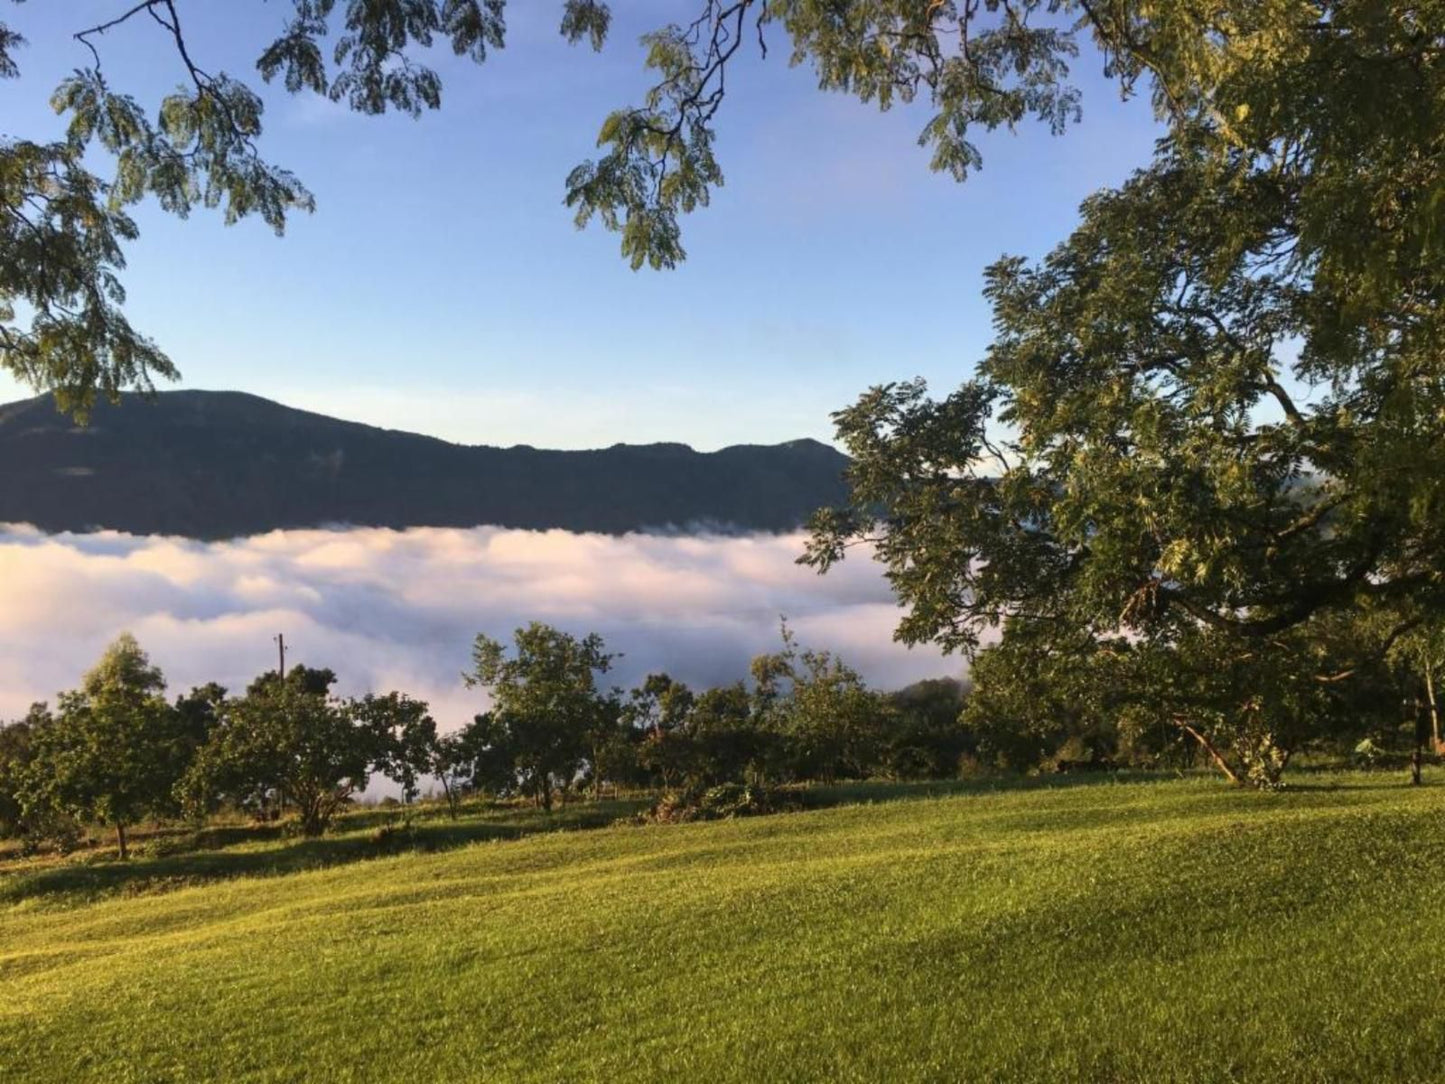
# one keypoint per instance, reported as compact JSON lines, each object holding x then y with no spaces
{"x":15,"y":757}
{"x":924,"y":737}
{"x":977,"y":71}
{"x":26,"y":813}
{"x":807,"y":716}
{"x":829,"y":720}
{"x":64,"y":226}
{"x":1212,"y":421}
{"x":199,"y":712}
{"x":1421,"y":654}
{"x":286,"y":742}
{"x":726,"y":740}
{"x":1333,"y":104}
{"x":115,"y":748}
{"x":659,"y":708}
{"x":722,"y":802}
{"x":405,"y":737}
{"x":545,"y":704}
{"x":1041,"y":697}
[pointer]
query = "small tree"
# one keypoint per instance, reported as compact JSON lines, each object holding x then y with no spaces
{"x":829,"y":721}
{"x":836,"y":720}
{"x":15,"y":756}
{"x":27,"y":811}
{"x":115,"y":749}
{"x":16,"y":753}
{"x":927,"y":737}
{"x":726,"y":737}
{"x":287,"y":739}
{"x":405,"y":739}
{"x":199,"y":711}
{"x":658,"y":708}
{"x":545,"y":703}
{"x":1421,"y":653}
{"x":454,"y":764}
{"x":612,"y":745}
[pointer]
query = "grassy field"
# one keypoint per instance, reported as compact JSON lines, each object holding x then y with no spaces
{"x":1159,"y":931}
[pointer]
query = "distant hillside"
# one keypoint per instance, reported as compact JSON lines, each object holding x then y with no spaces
{"x":222,"y":464}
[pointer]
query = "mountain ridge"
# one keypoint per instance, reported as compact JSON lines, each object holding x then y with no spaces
{"x":219,"y":464}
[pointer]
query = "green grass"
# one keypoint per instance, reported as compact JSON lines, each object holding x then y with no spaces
{"x":1159,"y":931}
{"x":171,"y":858}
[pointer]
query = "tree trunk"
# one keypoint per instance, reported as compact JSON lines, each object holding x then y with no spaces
{"x":120,"y":841}
{"x":451,"y":801}
{"x":1219,"y":761}
{"x":310,"y":811}
{"x":1434,"y":707}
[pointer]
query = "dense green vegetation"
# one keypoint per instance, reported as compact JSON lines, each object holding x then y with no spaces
{"x":1198,"y":476}
{"x":116,"y":754}
{"x":1178,"y":930}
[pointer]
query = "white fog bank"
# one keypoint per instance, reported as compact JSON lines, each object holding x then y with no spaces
{"x":398,"y":609}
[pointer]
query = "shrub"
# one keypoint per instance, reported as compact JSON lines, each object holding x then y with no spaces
{"x":722,"y":802}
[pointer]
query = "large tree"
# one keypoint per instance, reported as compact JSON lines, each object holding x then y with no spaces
{"x":1211,"y":425}
{"x":1191,"y":431}
{"x":1187,"y":434}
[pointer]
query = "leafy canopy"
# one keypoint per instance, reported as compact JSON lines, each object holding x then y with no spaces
{"x":1253,"y":77}
{"x":1211,"y":425}
{"x":287,"y":742}
{"x":115,"y":748}
{"x":545,"y":704}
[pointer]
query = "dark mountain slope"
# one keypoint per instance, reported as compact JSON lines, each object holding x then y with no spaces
{"x":221,"y":464}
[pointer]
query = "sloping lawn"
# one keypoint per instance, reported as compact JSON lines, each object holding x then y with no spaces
{"x":1154,"y":931}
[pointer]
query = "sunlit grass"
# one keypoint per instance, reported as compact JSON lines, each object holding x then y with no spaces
{"x":1144,"y":931}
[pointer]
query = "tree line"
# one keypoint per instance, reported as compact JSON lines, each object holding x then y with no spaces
{"x":116,"y":752}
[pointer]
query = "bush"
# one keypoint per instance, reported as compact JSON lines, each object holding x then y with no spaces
{"x":1367,"y":754}
{"x":52,"y":830}
{"x":722,"y":802}
{"x":394,"y":837}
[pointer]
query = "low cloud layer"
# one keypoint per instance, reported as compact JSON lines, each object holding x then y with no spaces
{"x":398,"y":609}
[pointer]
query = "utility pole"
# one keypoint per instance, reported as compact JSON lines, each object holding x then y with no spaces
{"x":280,"y":639}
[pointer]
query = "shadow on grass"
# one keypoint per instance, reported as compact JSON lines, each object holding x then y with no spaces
{"x":222,"y":853}
{"x":823,"y":796}
{"x":173,"y":858}
{"x":176,"y":859}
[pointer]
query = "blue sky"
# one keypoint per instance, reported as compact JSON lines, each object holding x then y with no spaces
{"x":441,"y":286}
